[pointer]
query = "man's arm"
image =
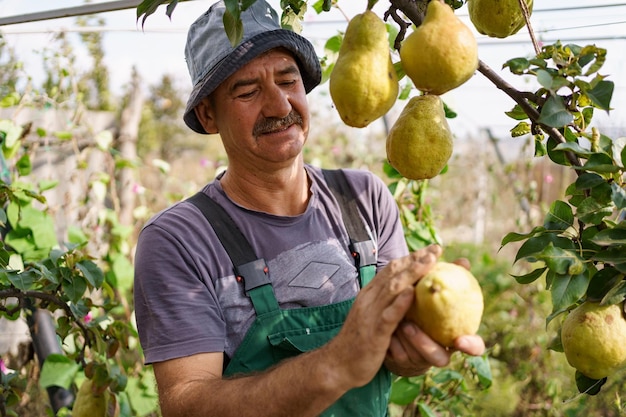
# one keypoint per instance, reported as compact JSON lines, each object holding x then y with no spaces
{"x":309,"y":383}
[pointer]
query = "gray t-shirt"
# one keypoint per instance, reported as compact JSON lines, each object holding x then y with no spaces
{"x":187,"y":298}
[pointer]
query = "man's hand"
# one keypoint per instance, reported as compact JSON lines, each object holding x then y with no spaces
{"x":366,"y":336}
{"x":412,"y":352}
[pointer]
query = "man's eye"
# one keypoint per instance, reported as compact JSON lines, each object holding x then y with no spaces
{"x":247,"y":94}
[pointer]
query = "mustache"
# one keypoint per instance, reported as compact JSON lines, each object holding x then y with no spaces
{"x":271,"y":124}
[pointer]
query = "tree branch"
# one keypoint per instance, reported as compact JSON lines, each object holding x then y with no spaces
{"x":21,"y":295}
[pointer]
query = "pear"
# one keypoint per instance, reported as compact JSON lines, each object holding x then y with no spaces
{"x":441,"y":53}
{"x":92,"y":401}
{"x":419,"y":143}
{"x":497,"y":18}
{"x":363,"y":83}
{"x":448,"y":303}
{"x":594,"y":339}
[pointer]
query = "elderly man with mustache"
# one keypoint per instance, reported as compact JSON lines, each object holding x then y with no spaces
{"x":279,"y":289}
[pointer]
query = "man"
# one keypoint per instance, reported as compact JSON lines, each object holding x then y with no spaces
{"x":299,"y":330}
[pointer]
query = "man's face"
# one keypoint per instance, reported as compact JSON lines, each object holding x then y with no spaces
{"x":260,"y":111}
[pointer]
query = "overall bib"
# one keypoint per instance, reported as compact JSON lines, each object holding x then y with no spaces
{"x":276,"y":333}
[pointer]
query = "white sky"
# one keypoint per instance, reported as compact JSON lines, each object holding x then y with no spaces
{"x":158,"y":49}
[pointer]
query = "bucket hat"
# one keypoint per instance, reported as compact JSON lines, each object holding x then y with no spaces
{"x":211,"y":58}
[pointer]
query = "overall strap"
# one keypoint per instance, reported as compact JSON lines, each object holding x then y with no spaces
{"x":361,"y":245}
{"x":252,"y":270}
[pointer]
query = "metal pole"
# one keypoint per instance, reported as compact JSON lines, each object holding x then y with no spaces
{"x":91,"y":8}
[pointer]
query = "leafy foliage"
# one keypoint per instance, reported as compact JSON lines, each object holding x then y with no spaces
{"x":580,"y":247}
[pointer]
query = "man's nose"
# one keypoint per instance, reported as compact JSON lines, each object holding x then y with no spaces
{"x":277,"y":103}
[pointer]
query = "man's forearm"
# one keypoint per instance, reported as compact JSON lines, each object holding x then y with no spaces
{"x":304,"y":386}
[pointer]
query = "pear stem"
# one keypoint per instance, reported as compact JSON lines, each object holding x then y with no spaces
{"x":526,"y":13}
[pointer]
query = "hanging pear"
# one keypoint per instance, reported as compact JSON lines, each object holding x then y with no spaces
{"x":497,"y":18}
{"x":441,"y":53}
{"x":419,"y":143}
{"x":363,"y":84}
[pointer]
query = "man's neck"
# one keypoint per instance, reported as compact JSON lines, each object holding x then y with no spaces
{"x":283,"y":192}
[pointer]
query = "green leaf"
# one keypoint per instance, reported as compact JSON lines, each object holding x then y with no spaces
{"x":516,"y":237}
{"x":536,"y":245}
{"x":333,"y":44}
{"x":404,"y":391}
{"x":567,"y":290}
{"x":24,"y":281}
{"x":530,"y":277}
{"x":618,"y":151}
{"x":591,"y":212}
{"x":517,"y":65}
{"x":92,"y":273}
{"x":516,"y":113}
{"x":425,"y":410}
{"x":560,"y":216}
{"x":601,"y":94}
{"x":618,"y":196}
{"x":520,"y":129}
{"x":599,"y":162}
{"x":142,"y":394}
{"x":74,"y":288}
{"x":545,"y":79}
{"x":588,"y":180}
{"x":610,"y":237}
{"x":58,"y":370}
{"x":554,"y":113}
{"x":561,"y":261}
{"x":587,"y":385}
{"x":232,"y":22}
{"x":573,"y":147}
{"x":481,"y":366}
{"x":613,"y":255}
{"x":616,"y":294}
{"x":447,"y":375}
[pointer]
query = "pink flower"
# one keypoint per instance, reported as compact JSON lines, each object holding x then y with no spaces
{"x":4,"y":369}
{"x":204,"y":162}
{"x":88,"y":318}
{"x":548,"y":179}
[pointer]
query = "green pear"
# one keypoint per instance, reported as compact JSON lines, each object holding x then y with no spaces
{"x":363,"y":83}
{"x":441,"y":53}
{"x":419,"y":143}
{"x":497,"y":18}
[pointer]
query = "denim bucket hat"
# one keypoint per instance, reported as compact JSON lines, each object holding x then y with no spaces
{"x":211,"y":58}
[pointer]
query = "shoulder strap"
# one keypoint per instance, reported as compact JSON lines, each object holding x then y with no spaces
{"x":252,"y":270}
{"x":361,"y":245}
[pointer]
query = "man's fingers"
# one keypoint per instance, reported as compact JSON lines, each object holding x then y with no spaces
{"x":420,"y":347}
{"x":471,"y":344}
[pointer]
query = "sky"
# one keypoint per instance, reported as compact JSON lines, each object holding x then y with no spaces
{"x":157,"y":49}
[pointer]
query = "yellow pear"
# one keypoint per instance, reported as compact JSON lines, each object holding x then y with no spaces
{"x":92,"y":402}
{"x":419,"y":143}
{"x":448,"y":303}
{"x":441,"y":53}
{"x":594,"y":339}
{"x":497,"y":18}
{"x":363,"y":83}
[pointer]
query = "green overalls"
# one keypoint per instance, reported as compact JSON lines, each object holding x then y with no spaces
{"x":277,"y":334}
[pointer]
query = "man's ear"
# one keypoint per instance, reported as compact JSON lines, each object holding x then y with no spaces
{"x":205,"y":114}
